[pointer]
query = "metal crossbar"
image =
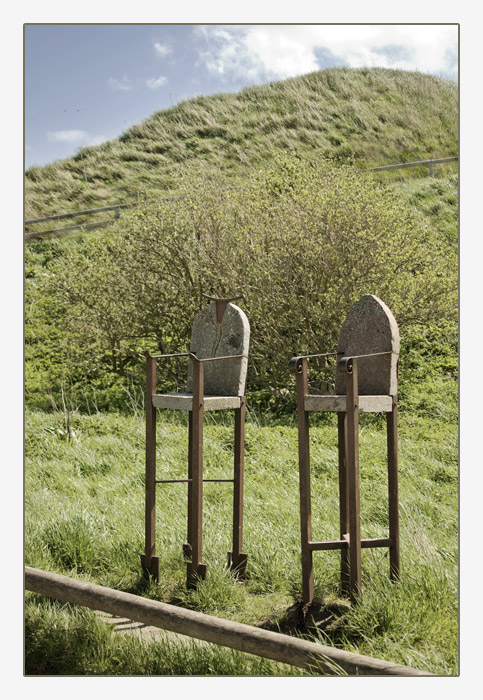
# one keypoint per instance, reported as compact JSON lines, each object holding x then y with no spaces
{"x":188,"y":481}
{"x":198,"y":359}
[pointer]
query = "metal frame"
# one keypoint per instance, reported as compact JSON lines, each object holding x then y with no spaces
{"x":237,"y":559}
{"x":350,"y":542}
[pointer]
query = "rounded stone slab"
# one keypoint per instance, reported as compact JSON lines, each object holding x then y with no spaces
{"x":370,"y":327}
{"x":212,"y":339}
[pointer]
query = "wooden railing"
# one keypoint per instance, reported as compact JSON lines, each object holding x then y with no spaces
{"x":116,"y":208}
{"x":253,"y":640}
{"x":414,"y":163}
{"x":53,"y":232}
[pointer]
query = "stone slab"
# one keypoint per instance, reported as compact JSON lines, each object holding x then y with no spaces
{"x":370,"y":327}
{"x":184,"y":402}
{"x":367,"y":404}
{"x":212,"y":339}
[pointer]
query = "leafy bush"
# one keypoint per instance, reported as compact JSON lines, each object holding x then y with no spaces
{"x":429,"y":371}
{"x":302,"y":240}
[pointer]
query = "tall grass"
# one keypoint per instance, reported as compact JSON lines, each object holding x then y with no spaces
{"x":84,"y":505}
{"x":370,"y":116}
{"x":69,"y":640}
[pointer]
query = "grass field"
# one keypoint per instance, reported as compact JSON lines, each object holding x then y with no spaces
{"x":84,"y":518}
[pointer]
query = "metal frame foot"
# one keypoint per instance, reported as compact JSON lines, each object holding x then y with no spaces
{"x":152,"y":568}
{"x":194,"y":574}
{"x":238,"y":565}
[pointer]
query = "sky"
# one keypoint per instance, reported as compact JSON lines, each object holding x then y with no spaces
{"x":88,"y":83}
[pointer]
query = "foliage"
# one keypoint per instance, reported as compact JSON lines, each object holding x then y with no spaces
{"x":429,"y":370}
{"x":304,"y":238}
{"x":436,"y":201}
{"x":303,"y":241}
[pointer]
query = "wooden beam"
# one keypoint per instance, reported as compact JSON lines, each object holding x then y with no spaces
{"x":252,"y":640}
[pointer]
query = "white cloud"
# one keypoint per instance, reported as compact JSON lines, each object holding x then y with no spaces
{"x":266,"y":52}
{"x":67,"y":136}
{"x":407,"y":47}
{"x":75,"y":136}
{"x":225,"y":54}
{"x":162,"y":49}
{"x":119,"y":84}
{"x":156,"y":83}
{"x":283,"y":53}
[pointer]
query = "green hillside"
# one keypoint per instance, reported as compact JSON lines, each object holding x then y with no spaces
{"x":368,"y":116}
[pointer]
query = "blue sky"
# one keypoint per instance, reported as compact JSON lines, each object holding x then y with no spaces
{"x":87,"y":83}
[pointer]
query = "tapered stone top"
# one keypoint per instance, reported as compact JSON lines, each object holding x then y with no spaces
{"x":370,"y":327}
{"x":212,"y":339}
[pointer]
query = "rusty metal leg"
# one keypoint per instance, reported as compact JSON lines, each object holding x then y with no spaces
{"x":149,"y":562}
{"x":304,"y":483}
{"x":195,"y":569}
{"x":352,"y":457}
{"x":392,"y":465}
{"x":343,"y":500}
{"x":237,"y":560}
{"x":187,"y":547}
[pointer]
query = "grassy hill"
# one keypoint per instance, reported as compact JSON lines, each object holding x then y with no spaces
{"x":367,"y":116}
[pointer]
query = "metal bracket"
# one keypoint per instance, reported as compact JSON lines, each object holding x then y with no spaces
{"x":346,"y":365}
{"x":221,"y":304}
{"x":295,"y":364}
{"x":194,"y":574}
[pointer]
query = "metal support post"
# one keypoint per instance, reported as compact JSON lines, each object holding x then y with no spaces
{"x":304,"y":481}
{"x":236,"y":558}
{"x":392,"y":466}
{"x":187,"y":548}
{"x":352,"y":456}
{"x":343,"y":500}
{"x":150,"y":562}
{"x":195,"y":569}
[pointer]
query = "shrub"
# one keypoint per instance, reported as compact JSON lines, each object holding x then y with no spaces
{"x":302,"y":240}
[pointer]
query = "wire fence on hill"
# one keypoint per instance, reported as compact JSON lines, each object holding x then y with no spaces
{"x":116,"y":208}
